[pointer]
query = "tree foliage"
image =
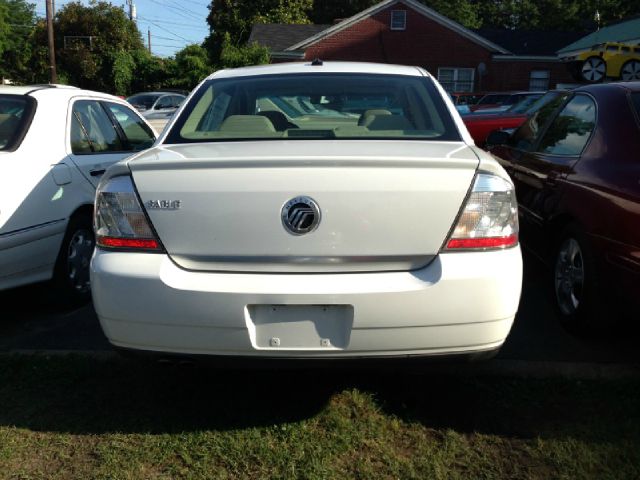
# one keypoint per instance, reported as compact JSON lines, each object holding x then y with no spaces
{"x":241,"y":56}
{"x":237,"y":17}
{"x":17,"y":30}
{"x":189,"y":67}
{"x":95,"y":45}
{"x":564,"y":15}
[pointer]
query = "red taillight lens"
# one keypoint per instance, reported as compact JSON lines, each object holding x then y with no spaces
{"x":119,"y":220}
{"x":491,"y":242}
{"x":128,"y":243}
{"x":489,"y":219}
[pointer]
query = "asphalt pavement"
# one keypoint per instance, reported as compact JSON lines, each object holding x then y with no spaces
{"x":30,"y":321}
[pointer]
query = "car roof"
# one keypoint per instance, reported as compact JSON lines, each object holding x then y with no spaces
{"x":159,"y":92}
{"x":629,"y":86}
{"x":25,"y":89}
{"x":53,"y":90}
{"x":323,"y":67}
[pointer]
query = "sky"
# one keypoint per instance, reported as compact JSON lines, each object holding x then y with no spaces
{"x":173,"y":23}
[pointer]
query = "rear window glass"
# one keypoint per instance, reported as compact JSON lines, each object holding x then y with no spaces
{"x":493,"y":98}
{"x":15,"y":114}
{"x":315,"y":106}
{"x":143,"y":101}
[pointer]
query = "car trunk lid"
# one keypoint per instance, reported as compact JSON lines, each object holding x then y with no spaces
{"x":383,"y":205}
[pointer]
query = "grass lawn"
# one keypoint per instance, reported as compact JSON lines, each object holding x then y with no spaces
{"x":74,"y":417}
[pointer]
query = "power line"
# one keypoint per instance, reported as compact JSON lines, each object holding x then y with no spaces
{"x":171,"y":33}
{"x":190,"y":13}
{"x":171,"y":39}
{"x":147,"y":19}
{"x":197,"y":3}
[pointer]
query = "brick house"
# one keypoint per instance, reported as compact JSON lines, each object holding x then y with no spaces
{"x":409,"y":33}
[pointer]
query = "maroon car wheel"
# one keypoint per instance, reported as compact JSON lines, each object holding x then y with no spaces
{"x":575,"y":282}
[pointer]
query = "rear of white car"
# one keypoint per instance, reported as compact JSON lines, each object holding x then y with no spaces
{"x":316,"y":231}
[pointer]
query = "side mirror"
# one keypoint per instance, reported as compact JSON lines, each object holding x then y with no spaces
{"x":497,"y":137}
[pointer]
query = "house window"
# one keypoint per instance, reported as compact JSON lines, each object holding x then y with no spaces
{"x":539,"y":80}
{"x":456,"y":79}
{"x":398,"y":19}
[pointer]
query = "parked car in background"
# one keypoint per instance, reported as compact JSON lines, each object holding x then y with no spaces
{"x":499,"y":102}
{"x":467,"y":98}
{"x":55,"y":143}
{"x":576,"y":167}
{"x":606,"y":60}
{"x":269,"y":222}
{"x":481,"y":125}
{"x":156,"y":104}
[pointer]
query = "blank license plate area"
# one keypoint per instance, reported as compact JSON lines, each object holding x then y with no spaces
{"x":302,"y":326}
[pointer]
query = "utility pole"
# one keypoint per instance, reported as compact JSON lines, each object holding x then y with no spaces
{"x":53,"y":77}
{"x":133,"y":11}
{"x":149,"y":36}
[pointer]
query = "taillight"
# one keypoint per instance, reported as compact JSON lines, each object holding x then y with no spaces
{"x":119,"y":221}
{"x":489,"y":219}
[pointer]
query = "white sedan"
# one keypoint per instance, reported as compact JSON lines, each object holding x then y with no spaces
{"x":55,"y":143}
{"x":273,"y":218}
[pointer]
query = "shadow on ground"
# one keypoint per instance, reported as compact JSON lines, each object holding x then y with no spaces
{"x":87,"y":396}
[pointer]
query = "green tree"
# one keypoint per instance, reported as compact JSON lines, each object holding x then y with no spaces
{"x":327,"y":11}
{"x":462,"y":11}
{"x":152,"y":73}
{"x":190,"y":66}
{"x":237,"y":17}
{"x":564,"y":15}
{"x":95,"y":46}
{"x":241,"y":56}
{"x":17,"y":30}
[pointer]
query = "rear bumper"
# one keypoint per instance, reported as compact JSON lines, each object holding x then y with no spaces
{"x":461,"y":303}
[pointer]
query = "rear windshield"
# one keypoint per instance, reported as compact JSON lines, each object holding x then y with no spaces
{"x":16,"y":112}
{"x":315,"y":106}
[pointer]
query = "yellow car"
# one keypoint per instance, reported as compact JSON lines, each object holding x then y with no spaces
{"x":606,"y":60}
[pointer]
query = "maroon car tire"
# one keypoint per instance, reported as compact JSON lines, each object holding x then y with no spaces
{"x":576,"y":285}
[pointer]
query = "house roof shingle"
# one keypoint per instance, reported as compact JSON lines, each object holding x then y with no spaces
{"x":279,"y":36}
{"x":623,"y":31}
{"x":530,"y":42}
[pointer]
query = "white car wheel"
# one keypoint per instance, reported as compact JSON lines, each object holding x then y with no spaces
{"x":594,"y":69}
{"x":630,"y":71}
{"x":71,"y":275}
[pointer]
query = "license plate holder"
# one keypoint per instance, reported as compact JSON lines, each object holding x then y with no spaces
{"x":301,"y":327}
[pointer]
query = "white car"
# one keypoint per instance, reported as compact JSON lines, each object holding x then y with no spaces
{"x":263,"y":224}
{"x":55,"y":143}
{"x":156,"y":105}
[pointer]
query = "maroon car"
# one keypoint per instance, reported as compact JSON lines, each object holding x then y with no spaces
{"x":576,"y":167}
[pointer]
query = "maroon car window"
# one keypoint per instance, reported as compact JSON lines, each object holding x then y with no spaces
{"x":524,"y":138}
{"x":569,"y":132}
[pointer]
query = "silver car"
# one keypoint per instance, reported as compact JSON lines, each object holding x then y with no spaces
{"x":156,"y":104}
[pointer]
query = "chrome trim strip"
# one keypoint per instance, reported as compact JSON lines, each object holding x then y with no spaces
{"x":293,"y":264}
{"x":30,"y":234}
